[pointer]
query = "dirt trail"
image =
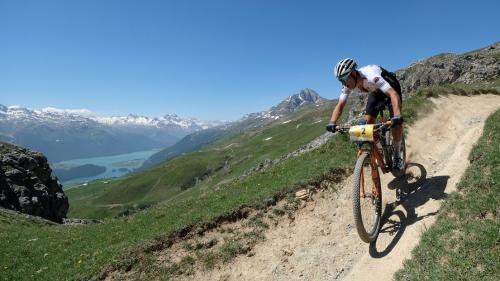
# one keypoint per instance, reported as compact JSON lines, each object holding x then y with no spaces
{"x":320,"y":242}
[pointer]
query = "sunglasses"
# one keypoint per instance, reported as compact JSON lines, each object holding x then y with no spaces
{"x":344,"y":78}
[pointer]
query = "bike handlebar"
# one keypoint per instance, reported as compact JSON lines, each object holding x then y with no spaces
{"x":378,"y":127}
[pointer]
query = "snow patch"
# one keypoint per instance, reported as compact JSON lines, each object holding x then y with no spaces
{"x":266,"y":139}
{"x":80,"y":111}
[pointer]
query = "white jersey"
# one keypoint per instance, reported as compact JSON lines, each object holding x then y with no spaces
{"x":372,"y":81}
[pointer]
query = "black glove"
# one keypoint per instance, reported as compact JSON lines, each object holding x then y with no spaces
{"x":331,"y":127}
{"x":396,"y":120}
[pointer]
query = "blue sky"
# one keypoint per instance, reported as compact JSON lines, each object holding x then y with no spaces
{"x":215,"y":59}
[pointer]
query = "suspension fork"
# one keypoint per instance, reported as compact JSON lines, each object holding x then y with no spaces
{"x":375,"y":176}
{"x":362,"y":185}
{"x":373,"y":163}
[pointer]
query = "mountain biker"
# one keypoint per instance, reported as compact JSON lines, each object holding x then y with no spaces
{"x":382,"y":87}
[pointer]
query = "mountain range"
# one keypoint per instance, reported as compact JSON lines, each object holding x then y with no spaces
{"x":68,"y":134}
{"x":63,"y":134}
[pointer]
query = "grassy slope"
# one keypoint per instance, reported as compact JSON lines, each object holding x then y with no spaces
{"x":215,"y":163}
{"x":464,"y":242}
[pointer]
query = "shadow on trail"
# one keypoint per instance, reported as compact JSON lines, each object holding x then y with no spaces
{"x":413,"y":190}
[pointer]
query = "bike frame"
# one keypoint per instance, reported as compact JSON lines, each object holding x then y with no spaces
{"x":375,"y":157}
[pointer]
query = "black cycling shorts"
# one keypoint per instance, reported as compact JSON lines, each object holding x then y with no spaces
{"x":377,"y":100}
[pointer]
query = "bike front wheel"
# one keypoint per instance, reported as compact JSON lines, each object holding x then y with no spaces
{"x":367,"y":198}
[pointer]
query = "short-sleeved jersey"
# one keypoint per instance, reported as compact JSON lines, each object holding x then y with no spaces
{"x":372,"y":81}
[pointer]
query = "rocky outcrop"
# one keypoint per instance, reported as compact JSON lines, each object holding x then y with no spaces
{"x":28,"y":186}
{"x":475,"y":66}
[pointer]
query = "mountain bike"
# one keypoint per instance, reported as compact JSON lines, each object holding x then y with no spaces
{"x":375,"y":153}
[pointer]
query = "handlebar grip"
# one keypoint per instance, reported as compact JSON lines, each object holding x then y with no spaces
{"x":343,"y":129}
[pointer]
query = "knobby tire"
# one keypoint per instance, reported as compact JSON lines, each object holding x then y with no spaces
{"x":370,"y":235}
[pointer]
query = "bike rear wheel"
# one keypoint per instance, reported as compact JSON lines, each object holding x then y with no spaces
{"x":367,"y":198}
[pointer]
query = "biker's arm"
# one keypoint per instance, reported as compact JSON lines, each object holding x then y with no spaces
{"x":340,"y":105}
{"x":385,"y":87}
{"x":395,"y":101}
{"x":338,"y":110}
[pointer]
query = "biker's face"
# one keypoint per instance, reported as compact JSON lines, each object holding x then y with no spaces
{"x":350,"y":82}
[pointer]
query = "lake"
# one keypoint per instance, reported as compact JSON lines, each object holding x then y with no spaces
{"x":116,"y":165}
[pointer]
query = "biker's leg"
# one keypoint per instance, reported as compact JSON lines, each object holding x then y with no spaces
{"x":397,"y":131}
{"x":373,"y":106}
{"x":397,"y":136}
{"x":370,"y":119}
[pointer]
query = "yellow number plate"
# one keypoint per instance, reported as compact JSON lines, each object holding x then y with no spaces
{"x":361,"y":133}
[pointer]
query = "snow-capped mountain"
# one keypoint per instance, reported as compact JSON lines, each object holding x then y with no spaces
{"x":290,"y":104}
{"x":46,"y":115}
{"x":55,"y":115}
{"x":79,"y":133}
{"x":164,"y":121}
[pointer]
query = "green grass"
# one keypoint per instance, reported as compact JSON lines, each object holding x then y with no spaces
{"x":464,"y":243}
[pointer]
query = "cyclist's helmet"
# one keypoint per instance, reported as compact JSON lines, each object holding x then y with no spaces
{"x":344,"y":67}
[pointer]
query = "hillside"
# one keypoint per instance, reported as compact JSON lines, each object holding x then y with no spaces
{"x":197,"y":140}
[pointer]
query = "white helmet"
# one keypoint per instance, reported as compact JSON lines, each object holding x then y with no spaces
{"x":344,"y":67}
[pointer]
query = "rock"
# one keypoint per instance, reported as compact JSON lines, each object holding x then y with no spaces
{"x":13,"y":174}
{"x":481,"y":65}
{"x":27,"y":184}
{"x":302,"y":194}
{"x":287,"y":252}
{"x":79,"y":221}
